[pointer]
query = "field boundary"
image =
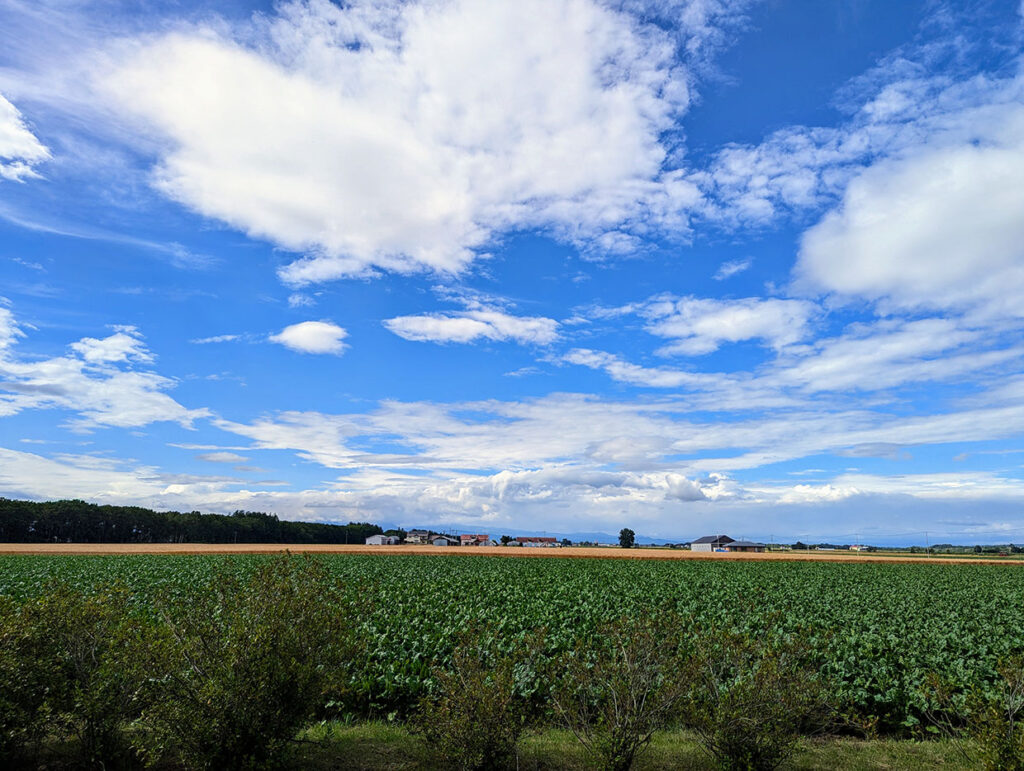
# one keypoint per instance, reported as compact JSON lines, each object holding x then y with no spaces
{"x":572,"y":552}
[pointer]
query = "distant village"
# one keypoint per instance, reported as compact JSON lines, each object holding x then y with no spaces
{"x":708,"y":543}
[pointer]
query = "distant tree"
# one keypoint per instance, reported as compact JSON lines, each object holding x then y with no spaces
{"x":505,"y":539}
{"x":566,"y":542}
{"x":977,"y":550}
{"x":799,"y":545}
{"x":627,"y":538}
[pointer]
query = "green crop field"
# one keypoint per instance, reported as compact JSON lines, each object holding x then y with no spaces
{"x":879,"y":630}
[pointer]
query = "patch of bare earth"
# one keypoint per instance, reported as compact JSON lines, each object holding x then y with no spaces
{"x":579,"y":552}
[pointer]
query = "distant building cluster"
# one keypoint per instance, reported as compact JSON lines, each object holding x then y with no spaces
{"x":428,"y":537}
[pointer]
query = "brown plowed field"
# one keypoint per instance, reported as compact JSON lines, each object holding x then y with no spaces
{"x":493,"y":551}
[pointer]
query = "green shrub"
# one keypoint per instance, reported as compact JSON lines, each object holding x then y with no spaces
{"x":750,"y":698}
{"x":614,"y":692}
{"x":23,"y":688}
{"x":93,"y":644}
{"x":478,"y":710}
{"x":998,"y":723}
{"x":243,"y":664}
{"x":71,"y":671}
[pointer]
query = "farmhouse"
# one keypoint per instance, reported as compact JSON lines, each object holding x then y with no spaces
{"x":475,"y":540}
{"x":382,"y":540}
{"x":710,"y":543}
{"x":535,"y":541}
{"x":444,"y":540}
{"x":744,"y":546}
{"x":417,"y":536}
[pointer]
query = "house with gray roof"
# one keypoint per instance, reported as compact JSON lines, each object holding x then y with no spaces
{"x":711,"y":543}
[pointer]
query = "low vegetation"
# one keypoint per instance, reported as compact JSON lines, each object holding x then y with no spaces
{"x":219,"y":662}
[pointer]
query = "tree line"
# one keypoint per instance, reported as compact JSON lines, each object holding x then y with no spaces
{"x":77,"y":521}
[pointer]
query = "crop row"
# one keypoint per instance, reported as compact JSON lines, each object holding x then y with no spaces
{"x":879,"y":631}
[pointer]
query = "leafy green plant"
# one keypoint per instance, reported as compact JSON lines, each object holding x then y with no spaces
{"x":23,"y":688}
{"x":242,"y":664}
{"x":997,"y":725}
{"x":71,"y":670}
{"x":616,"y":690}
{"x":478,"y":711}
{"x":93,"y":644}
{"x":751,"y":698}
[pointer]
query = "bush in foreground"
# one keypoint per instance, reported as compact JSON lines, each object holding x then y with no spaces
{"x":616,"y":691}
{"x":998,"y":723}
{"x":70,"y":668}
{"x":751,"y":699}
{"x":478,"y":711}
{"x":242,"y":665}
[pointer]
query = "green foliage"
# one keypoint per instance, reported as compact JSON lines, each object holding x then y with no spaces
{"x":752,"y":697}
{"x":478,"y":710}
{"x":998,"y":723}
{"x":616,"y":689}
{"x":877,"y":629}
{"x":70,"y":665}
{"x":81,"y":522}
{"x":627,"y":538}
{"x":23,"y":686}
{"x":245,"y":663}
{"x":93,"y":647}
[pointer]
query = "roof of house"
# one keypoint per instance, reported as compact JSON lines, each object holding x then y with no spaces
{"x":714,"y":539}
{"x":536,"y":539}
{"x":745,"y":543}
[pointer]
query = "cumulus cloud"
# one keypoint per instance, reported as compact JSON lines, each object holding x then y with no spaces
{"x":469,"y":326}
{"x":95,"y":379}
{"x":384,"y":146}
{"x":20,"y":151}
{"x":312,"y":337}
{"x":943,"y":229}
{"x":124,"y":345}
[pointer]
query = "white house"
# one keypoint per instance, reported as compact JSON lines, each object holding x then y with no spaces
{"x":417,"y":536}
{"x":382,"y":540}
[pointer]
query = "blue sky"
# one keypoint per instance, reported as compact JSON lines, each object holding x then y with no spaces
{"x":562,"y":265}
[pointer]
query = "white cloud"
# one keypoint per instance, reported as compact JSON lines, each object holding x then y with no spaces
{"x":699,"y":325}
{"x":9,"y":331}
{"x":94,"y":380}
{"x":942,"y":229}
{"x":374,"y":139}
{"x":892,"y":353}
{"x":731,"y":268}
{"x":312,"y":337}
{"x":468,"y":326}
{"x":222,"y":457}
{"x":215,"y":339}
{"x":124,"y":345}
{"x":20,"y":151}
{"x":299,"y":300}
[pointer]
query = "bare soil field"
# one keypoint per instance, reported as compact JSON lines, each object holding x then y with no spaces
{"x":579,"y":552}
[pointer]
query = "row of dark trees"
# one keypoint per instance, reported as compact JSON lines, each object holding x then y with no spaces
{"x":80,"y":522}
